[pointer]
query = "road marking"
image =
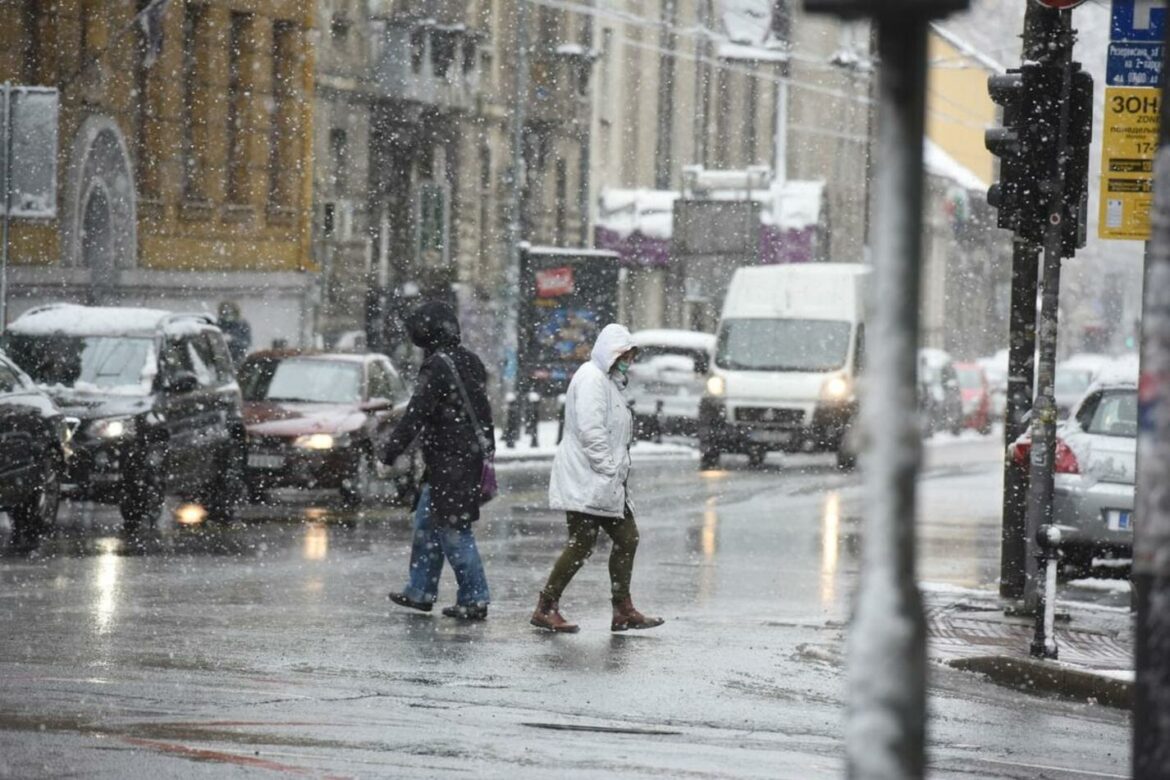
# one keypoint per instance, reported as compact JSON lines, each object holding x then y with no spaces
{"x":1046,"y":767}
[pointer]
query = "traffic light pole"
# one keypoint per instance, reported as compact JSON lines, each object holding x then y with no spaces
{"x":1021,"y":380}
{"x":1151,"y":559}
{"x":1061,"y":38}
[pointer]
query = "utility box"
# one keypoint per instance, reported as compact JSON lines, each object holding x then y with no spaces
{"x":711,"y":239}
{"x":566,"y":297}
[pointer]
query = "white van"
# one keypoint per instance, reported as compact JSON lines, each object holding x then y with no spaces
{"x":789,"y":348}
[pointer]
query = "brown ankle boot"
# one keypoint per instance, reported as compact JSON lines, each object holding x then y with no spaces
{"x":625,"y":617}
{"x":548,"y":616}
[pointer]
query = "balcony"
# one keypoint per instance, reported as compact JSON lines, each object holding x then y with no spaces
{"x":559,"y":84}
{"x":427,"y":63}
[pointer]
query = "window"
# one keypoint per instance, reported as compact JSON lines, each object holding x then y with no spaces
{"x":238,"y":90}
{"x":200,"y":359}
{"x":339,"y":30}
{"x":562,"y":201}
{"x":195,"y":100}
{"x":308,"y":380}
{"x":468,"y":55}
{"x":282,"y":151}
{"x":338,"y":157}
{"x":221,"y":357}
{"x":418,"y":48}
{"x":329,"y":222}
{"x":381,"y":384}
{"x":1115,"y":415}
{"x":431,"y":222}
{"x":443,"y":43}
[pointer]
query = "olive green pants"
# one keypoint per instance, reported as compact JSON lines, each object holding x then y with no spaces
{"x":583,"y":530}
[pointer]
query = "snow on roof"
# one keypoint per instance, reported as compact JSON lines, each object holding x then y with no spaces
{"x":939,"y":163}
{"x":687,"y":339}
{"x":967,"y":49}
{"x":99,"y":320}
{"x":569,"y":251}
{"x":788,"y":205}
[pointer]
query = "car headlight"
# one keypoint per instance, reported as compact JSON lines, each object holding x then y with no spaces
{"x":716,"y":385}
{"x":835,"y":388}
{"x":113,"y":428}
{"x":316,"y":441}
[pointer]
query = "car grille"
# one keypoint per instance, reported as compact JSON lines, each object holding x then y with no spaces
{"x":767,"y":415}
{"x":270,"y":443}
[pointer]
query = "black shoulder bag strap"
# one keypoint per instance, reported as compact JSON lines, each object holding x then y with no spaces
{"x":484,"y":445}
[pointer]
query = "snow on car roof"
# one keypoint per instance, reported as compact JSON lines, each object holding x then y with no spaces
{"x":102,"y":320}
{"x":688,"y":339}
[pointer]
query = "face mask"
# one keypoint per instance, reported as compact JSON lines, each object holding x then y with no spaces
{"x":623,"y":367}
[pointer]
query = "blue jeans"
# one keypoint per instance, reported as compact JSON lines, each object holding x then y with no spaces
{"x":427,"y":551}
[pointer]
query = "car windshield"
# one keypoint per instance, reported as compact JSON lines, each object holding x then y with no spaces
{"x":1070,"y":381}
{"x":308,"y":380}
{"x":970,"y":378}
{"x":96,"y":364}
{"x":656,"y":359}
{"x":1115,"y":415}
{"x":782,"y":345}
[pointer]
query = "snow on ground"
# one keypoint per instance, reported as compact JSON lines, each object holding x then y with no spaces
{"x":1108,"y":586}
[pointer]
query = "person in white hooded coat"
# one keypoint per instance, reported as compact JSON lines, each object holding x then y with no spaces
{"x":590,"y":476}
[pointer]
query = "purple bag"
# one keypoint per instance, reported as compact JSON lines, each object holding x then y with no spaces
{"x":489,"y":488}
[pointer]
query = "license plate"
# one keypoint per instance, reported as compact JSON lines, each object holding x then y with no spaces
{"x":1119,"y":520}
{"x":258,"y":461}
{"x":661,"y":388}
{"x":772,"y":437}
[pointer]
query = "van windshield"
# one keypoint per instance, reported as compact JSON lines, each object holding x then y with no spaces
{"x":782,"y":345}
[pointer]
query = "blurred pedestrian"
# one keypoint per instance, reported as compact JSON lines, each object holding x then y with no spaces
{"x":449,"y":412}
{"x":590,"y":476}
{"x":236,"y":330}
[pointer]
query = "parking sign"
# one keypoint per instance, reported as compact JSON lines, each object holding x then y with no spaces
{"x":1138,"y":20}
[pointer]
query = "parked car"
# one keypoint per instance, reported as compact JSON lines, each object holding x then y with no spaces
{"x":1095,"y":465}
{"x":156,"y":399}
{"x":975,"y":397}
{"x":667,"y":380}
{"x":1073,"y":377}
{"x":939,"y":396}
{"x":314,"y":419}
{"x":34,"y":451}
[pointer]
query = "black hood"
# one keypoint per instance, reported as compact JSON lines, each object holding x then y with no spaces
{"x":433,"y":326}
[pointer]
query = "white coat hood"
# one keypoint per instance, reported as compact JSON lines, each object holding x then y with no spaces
{"x":613,"y":340}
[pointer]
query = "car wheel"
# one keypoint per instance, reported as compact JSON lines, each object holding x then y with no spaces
{"x":144,"y":487}
{"x":756,"y":457}
{"x":708,"y":456}
{"x":33,"y":518}
{"x":228,"y":488}
{"x":357,"y":487}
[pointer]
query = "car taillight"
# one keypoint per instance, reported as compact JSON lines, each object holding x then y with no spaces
{"x":1066,"y":461}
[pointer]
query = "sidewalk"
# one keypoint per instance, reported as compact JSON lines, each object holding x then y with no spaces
{"x":546,"y":447}
{"x":968,"y":630}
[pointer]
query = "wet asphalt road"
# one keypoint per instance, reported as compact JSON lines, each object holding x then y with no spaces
{"x":269,"y":647}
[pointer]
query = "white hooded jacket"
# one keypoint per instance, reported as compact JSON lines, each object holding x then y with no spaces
{"x":592,"y":462}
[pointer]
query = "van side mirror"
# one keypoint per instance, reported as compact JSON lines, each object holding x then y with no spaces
{"x":702,"y":363}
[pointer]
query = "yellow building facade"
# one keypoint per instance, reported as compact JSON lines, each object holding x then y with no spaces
{"x":184,"y":153}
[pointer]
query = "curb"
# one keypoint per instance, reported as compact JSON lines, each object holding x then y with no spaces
{"x":1031,"y":676}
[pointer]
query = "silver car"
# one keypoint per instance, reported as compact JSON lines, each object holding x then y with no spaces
{"x":667,"y":380}
{"x":1095,"y":466}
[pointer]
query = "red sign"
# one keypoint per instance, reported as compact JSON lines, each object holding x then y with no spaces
{"x":1060,"y":5}
{"x":554,"y":282}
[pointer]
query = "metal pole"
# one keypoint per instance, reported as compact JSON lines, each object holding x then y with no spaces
{"x":886,"y":726}
{"x":7,"y":205}
{"x":1040,"y":479}
{"x":1151,"y":559}
{"x":516,"y":174}
{"x":1021,"y":380}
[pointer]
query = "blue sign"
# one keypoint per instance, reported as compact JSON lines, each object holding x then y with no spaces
{"x":1134,"y":64}
{"x":1138,"y":20}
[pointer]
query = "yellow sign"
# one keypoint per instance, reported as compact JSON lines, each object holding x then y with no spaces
{"x":1127,"y":161}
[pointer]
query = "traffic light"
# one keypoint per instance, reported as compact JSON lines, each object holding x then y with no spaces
{"x":1076,"y":165}
{"x":1007,"y":90}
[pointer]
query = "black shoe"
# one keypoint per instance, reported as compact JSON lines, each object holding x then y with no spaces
{"x":460,"y":612}
{"x":402,"y":600}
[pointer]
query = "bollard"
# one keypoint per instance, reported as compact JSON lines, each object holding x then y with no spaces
{"x":560,"y":417}
{"x":533,"y":416}
{"x":511,"y":421}
{"x":658,"y":422}
{"x":1049,"y":539}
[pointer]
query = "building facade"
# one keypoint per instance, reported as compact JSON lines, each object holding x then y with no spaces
{"x":184,"y":139}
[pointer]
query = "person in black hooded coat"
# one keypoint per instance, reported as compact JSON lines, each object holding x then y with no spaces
{"x":449,"y":500}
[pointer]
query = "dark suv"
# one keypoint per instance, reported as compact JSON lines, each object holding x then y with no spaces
{"x":157,"y":399}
